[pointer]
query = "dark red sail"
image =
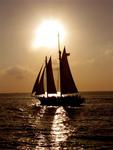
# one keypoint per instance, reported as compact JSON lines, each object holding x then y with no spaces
{"x":36,"y":85}
{"x":40,"y":88}
{"x":67,"y":82}
{"x":51,"y":89}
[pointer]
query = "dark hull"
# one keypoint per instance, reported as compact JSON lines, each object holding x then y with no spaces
{"x":62,"y":101}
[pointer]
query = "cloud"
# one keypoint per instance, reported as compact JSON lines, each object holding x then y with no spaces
{"x":104,"y":56}
{"x":109,"y":52}
{"x":17,"y":72}
{"x":16,"y":78}
{"x":87,"y":61}
{"x":90,"y":61}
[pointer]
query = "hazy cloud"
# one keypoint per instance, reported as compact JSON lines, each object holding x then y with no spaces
{"x":16,"y":78}
{"x":17,"y":72}
{"x":109,"y":52}
{"x":87,"y":61}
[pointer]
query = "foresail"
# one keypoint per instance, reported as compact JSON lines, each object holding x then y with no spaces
{"x":36,"y":85}
{"x":40,"y":89}
{"x":67,"y":83}
{"x":50,"y":79}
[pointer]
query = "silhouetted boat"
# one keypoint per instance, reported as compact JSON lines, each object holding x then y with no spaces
{"x":69,"y":95}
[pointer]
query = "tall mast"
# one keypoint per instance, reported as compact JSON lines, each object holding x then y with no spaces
{"x":46,"y":73}
{"x":59,"y":62}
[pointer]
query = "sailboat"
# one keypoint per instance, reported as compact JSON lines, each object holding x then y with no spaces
{"x":45,"y":90}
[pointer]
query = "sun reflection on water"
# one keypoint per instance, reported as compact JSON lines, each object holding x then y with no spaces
{"x":60,"y":129}
{"x":48,"y":128}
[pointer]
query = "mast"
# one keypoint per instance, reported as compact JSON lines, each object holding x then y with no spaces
{"x":46,"y":73}
{"x":67,"y":85}
{"x":59,"y":51}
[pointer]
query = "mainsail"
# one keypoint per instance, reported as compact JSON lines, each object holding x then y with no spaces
{"x":67,"y":82}
{"x":49,"y":77}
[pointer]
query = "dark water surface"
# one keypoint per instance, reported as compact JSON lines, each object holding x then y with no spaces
{"x":25,"y":126}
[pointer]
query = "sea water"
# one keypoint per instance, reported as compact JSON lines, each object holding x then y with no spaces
{"x":25,"y":125}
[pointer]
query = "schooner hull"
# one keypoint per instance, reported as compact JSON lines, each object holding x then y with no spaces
{"x":62,"y":101}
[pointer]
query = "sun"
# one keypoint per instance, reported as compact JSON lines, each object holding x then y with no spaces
{"x":47,"y":34}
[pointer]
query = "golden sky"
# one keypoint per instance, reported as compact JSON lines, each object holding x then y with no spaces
{"x":89,"y":27}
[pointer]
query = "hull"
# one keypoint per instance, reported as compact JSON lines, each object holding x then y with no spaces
{"x":62,"y":101}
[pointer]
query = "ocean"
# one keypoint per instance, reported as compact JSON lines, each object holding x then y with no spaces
{"x":25,"y":125}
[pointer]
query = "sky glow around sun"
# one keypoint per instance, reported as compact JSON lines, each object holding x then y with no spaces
{"x":47,"y":34}
{"x":29,"y":32}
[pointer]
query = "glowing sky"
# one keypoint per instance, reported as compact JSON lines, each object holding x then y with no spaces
{"x":89,"y":24}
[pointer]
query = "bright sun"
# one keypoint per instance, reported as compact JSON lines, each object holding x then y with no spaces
{"x":47,"y":34}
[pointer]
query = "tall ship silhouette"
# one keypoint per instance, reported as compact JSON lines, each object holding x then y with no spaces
{"x":45,"y":90}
